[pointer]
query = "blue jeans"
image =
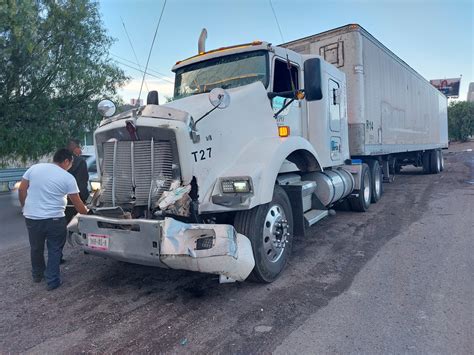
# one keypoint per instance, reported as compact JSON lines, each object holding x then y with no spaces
{"x":53,"y":232}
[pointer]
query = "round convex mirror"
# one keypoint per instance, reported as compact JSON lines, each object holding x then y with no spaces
{"x":219,"y":98}
{"x":106,"y":108}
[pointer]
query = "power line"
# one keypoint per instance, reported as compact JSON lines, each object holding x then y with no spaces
{"x":142,"y":71}
{"x":151,"y":48}
{"x":164,"y":76}
{"x":133,"y":49}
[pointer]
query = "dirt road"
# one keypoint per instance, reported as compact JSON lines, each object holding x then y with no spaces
{"x":107,"y":306}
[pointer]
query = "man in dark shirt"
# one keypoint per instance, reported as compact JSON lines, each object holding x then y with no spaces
{"x":79,"y":171}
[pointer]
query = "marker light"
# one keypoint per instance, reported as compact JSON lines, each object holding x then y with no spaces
{"x":283,"y":131}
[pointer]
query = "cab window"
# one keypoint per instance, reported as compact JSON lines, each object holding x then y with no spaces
{"x":282,"y":77}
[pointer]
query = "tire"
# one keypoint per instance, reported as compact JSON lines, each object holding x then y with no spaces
{"x":270,"y":230}
{"x":375,"y":180}
{"x":361,"y":203}
{"x":392,"y":166}
{"x":426,"y":162}
{"x":435,"y":162}
{"x":441,"y":160}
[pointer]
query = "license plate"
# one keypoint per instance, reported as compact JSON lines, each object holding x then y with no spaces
{"x":98,"y":241}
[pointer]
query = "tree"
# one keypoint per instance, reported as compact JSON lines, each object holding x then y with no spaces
{"x":461,"y":120}
{"x":54,"y":67}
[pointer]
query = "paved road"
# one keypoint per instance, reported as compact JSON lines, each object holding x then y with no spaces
{"x":415,"y":295}
{"x":12,"y":226}
{"x":395,"y":279}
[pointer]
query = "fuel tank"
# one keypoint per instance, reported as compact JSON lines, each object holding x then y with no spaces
{"x":331,"y":185}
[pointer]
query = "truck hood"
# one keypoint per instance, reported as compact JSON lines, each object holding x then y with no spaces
{"x":198,"y":105}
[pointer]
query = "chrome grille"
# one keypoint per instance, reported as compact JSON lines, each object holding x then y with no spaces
{"x":136,"y":171}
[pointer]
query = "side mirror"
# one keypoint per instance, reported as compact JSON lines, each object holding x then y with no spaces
{"x":106,"y":108}
{"x":219,"y":98}
{"x":312,"y":79}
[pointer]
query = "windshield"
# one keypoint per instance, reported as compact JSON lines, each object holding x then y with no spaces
{"x":224,"y":72}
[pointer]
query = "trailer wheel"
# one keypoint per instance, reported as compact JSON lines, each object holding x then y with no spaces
{"x":441,"y":160}
{"x":270,"y":230}
{"x":426,"y":162}
{"x":361,"y":202}
{"x":435,"y":162}
{"x":376,"y":180}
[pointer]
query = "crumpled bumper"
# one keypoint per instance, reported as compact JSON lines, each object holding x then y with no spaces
{"x":209,"y":248}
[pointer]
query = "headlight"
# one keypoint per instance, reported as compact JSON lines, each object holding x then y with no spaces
{"x":95,"y":185}
{"x":236,"y":186}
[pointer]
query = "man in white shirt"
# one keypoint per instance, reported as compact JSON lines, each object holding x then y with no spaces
{"x":43,"y":194}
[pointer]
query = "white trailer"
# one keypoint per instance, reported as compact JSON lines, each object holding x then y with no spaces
{"x":391,"y":108}
{"x":253,"y":149}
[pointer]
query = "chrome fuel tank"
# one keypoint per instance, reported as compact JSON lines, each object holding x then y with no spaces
{"x":331,"y":185}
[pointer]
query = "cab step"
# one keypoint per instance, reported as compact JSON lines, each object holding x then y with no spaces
{"x":313,"y":216}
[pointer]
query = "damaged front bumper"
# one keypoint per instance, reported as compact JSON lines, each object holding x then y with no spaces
{"x":209,"y":248}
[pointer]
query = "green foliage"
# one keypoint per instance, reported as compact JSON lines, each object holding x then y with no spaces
{"x":54,"y":67}
{"x":461,"y":120}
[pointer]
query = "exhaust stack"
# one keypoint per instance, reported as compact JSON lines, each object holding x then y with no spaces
{"x":202,"y":41}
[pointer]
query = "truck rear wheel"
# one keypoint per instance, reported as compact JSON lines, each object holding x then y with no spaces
{"x":270,"y":230}
{"x":361,"y":202}
{"x":441,"y":160}
{"x":435,"y":162}
{"x":376,"y":179}
{"x":426,"y":162}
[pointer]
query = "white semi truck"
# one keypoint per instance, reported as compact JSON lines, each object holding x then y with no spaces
{"x":259,"y":143}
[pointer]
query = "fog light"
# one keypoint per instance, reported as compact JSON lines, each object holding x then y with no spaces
{"x":235,"y":186}
{"x":241,"y":186}
{"x":227,"y":186}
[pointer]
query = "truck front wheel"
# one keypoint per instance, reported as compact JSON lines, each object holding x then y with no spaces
{"x":270,"y":230}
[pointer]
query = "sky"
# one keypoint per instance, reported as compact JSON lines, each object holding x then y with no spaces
{"x":435,"y":37}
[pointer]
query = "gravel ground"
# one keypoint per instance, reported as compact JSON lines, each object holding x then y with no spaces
{"x":344,"y":282}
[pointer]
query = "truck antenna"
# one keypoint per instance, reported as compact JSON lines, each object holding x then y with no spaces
{"x":276,"y":19}
{"x":151,"y":48}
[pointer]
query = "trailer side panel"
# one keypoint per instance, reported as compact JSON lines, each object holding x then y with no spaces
{"x":391,"y":108}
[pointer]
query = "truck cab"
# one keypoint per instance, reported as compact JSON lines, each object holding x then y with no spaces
{"x":250,"y":151}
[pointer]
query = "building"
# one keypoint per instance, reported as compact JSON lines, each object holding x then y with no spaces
{"x":470,"y":93}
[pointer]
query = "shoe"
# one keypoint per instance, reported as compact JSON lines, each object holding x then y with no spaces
{"x":37,"y":279}
{"x":62,"y":261}
{"x":54,"y":286}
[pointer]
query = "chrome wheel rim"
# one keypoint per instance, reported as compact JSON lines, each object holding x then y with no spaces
{"x":275,"y":233}
{"x":366,"y":189}
{"x":438,"y":162}
{"x":377,"y":184}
